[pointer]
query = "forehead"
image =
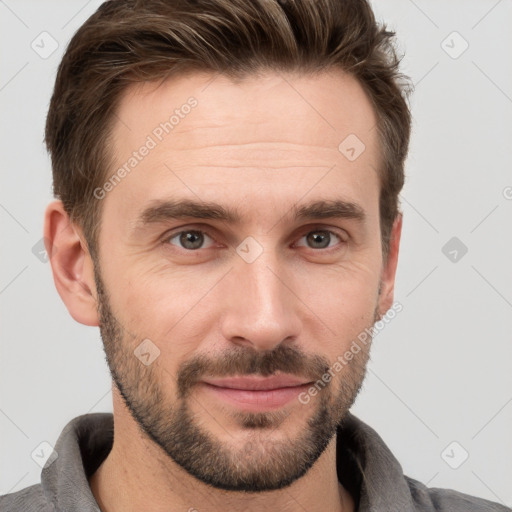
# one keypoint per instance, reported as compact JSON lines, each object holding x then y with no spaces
{"x":270,"y":138}
{"x":319,"y":109}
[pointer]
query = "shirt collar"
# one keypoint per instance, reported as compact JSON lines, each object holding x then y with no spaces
{"x":365,"y":465}
{"x":368,"y":470}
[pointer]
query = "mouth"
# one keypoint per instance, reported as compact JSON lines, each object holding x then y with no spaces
{"x":255,"y":393}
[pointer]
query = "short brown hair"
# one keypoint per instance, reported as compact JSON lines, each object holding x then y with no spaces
{"x":127,"y":41}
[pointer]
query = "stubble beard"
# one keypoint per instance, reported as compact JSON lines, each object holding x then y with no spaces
{"x":262,"y":462}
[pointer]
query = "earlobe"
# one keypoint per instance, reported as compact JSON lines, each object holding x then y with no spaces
{"x":72,"y":265}
{"x":388,"y":275}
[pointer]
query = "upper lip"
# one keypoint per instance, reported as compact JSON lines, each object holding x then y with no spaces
{"x":257,"y":383}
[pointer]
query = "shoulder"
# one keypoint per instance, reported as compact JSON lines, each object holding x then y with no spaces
{"x":446,"y":500}
{"x":30,"y":499}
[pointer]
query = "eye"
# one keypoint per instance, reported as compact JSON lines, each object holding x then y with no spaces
{"x":322,"y":238}
{"x":195,"y":239}
{"x":191,"y":239}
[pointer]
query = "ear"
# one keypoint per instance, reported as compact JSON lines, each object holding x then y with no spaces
{"x":72,"y":266}
{"x":389,"y":269}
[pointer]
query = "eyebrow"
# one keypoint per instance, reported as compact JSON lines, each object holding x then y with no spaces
{"x":162,"y":211}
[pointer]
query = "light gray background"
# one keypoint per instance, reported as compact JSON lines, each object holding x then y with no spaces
{"x":440,"y":371}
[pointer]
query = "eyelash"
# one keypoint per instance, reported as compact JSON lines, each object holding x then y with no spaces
{"x":313,"y":229}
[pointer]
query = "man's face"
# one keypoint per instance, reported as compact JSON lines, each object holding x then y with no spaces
{"x":207,"y":302}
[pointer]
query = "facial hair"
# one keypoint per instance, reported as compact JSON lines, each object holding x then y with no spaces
{"x":260,"y":464}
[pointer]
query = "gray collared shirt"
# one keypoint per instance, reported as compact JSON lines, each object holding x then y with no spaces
{"x":366,"y":468}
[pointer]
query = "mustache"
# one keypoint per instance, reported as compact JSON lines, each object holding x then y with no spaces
{"x":248,"y":361}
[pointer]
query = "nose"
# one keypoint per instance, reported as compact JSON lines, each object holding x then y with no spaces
{"x":259,"y":306}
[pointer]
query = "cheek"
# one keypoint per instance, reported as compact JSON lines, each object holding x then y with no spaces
{"x":344,"y":302}
{"x":162,"y":306}
{"x":179,"y":307}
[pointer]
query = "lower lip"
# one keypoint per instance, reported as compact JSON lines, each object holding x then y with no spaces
{"x":256,"y":400}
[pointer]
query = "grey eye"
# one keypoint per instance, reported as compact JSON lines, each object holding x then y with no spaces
{"x":190,"y":240}
{"x":320,"y":239}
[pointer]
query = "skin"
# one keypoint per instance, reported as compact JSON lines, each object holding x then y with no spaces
{"x":262,"y":145}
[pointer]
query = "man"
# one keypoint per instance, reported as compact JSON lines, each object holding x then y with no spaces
{"x":227,"y":176}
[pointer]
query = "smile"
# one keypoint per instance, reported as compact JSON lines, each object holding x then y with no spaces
{"x":256,"y":394}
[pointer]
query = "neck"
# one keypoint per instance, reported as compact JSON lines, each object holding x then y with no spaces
{"x":138,"y":475}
